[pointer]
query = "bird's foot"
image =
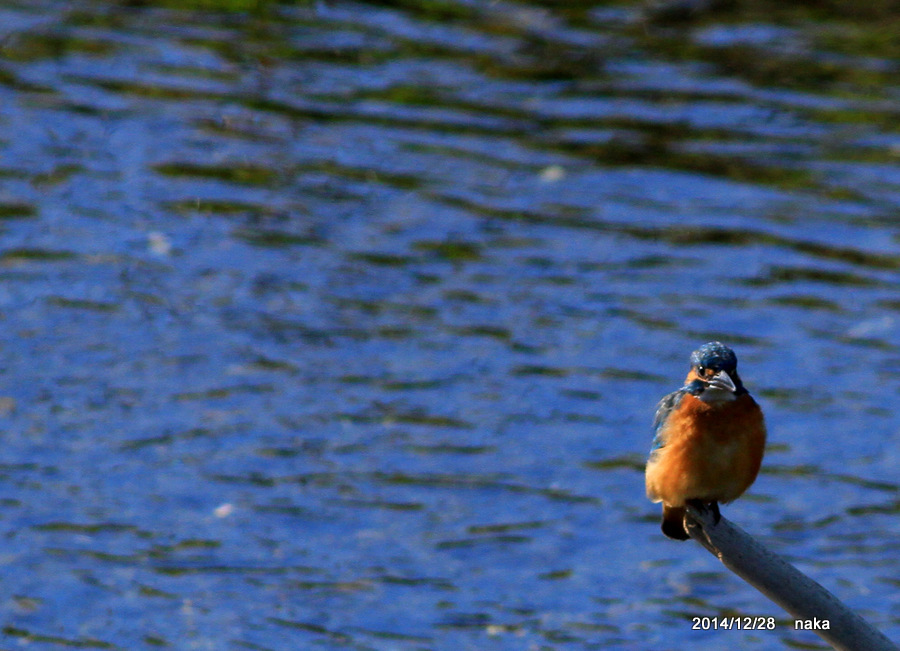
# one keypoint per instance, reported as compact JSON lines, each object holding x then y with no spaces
{"x":703,"y":507}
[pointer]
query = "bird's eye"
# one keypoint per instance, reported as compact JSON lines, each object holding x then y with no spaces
{"x":701,"y":370}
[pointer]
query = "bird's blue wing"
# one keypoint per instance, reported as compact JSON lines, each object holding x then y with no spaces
{"x":663,"y":409}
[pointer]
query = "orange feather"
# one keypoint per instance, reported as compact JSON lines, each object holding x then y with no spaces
{"x":712,"y":452}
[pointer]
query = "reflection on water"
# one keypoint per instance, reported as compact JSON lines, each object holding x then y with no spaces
{"x":342,"y":325}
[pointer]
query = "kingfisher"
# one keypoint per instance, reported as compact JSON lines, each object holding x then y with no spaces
{"x":709,"y":440}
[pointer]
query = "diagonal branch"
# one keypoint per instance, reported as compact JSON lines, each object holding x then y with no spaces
{"x":783,"y":583}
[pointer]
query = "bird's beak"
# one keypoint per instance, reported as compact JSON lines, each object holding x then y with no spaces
{"x":722,"y":381}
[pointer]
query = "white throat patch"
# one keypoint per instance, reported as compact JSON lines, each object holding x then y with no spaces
{"x":713,"y":396}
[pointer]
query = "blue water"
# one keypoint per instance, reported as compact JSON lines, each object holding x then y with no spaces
{"x":342,"y":325}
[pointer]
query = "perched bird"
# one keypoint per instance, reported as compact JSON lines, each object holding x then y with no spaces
{"x":709,"y":440}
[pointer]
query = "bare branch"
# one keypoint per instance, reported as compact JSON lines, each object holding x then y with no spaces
{"x":784,"y":584}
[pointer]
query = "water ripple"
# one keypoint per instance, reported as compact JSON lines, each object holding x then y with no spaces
{"x":343,"y":324}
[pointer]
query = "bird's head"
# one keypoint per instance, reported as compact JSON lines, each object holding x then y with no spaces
{"x":713,"y":376}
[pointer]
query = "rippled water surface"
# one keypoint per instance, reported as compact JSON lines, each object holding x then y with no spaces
{"x":342,"y":325}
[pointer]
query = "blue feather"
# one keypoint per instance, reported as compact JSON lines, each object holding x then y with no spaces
{"x":663,"y":409}
{"x":669,"y":404}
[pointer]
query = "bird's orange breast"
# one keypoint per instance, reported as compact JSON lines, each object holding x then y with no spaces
{"x":712,"y":452}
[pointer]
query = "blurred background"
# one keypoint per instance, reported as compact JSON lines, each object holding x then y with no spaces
{"x":342,"y":325}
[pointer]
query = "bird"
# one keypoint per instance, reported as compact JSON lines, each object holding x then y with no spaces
{"x":709,"y":439}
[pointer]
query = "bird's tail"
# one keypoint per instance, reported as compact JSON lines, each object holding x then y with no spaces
{"x":673,"y":522}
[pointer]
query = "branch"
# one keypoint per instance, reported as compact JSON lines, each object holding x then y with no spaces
{"x":784,"y":584}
